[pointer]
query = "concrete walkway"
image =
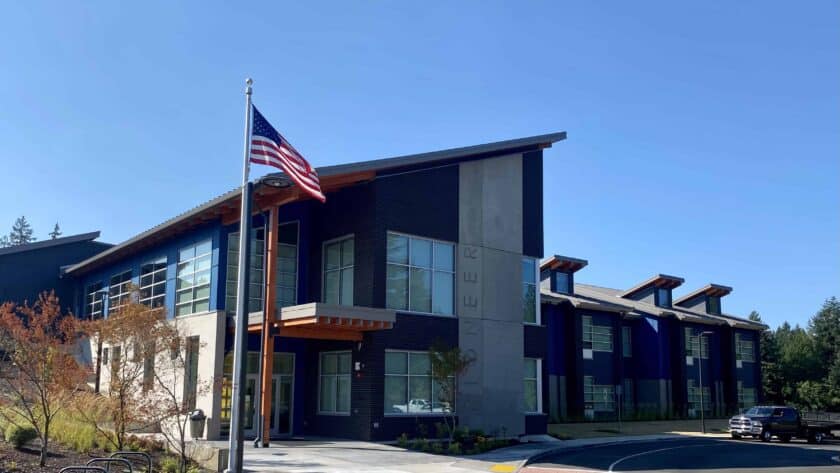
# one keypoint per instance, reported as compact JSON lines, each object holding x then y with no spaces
{"x":345,"y":456}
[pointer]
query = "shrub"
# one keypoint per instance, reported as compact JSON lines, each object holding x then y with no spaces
{"x":437,"y":448}
{"x":441,"y":430}
{"x":459,"y":434}
{"x":402,"y":440}
{"x":454,"y":448}
{"x":170,"y":464}
{"x":20,"y":436}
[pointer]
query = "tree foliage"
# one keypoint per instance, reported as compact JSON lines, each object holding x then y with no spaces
{"x":801,"y":366}
{"x":56,"y":232}
{"x":448,"y":364}
{"x":21,"y":233}
{"x":39,"y":371}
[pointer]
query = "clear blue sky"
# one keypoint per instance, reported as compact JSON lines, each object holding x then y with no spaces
{"x":704,"y":139}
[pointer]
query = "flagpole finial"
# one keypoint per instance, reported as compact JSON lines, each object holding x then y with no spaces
{"x":248,"y":83}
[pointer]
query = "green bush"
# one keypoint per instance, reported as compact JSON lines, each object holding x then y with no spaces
{"x":20,"y":436}
{"x":402,"y":440}
{"x":170,"y":464}
{"x":437,"y":448}
{"x":441,"y":430}
{"x":454,"y":448}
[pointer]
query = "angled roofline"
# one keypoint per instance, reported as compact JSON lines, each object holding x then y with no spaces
{"x":50,"y":243}
{"x":377,"y":165}
{"x":583,"y":302}
{"x":565,"y":263}
{"x":710,"y":289}
{"x":659,"y":280}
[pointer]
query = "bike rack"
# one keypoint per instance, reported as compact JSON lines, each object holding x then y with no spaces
{"x":108,"y":462}
{"x":126,"y":455}
{"x":83,"y":469}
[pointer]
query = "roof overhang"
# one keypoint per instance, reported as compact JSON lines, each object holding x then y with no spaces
{"x":710,"y":290}
{"x":659,"y":281}
{"x":563,"y":263}
{"x":328,"y":322}
{"x":333,"y":178}
{"x":579,"y":302}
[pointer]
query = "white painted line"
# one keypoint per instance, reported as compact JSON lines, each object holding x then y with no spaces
{"x":653,"y":451}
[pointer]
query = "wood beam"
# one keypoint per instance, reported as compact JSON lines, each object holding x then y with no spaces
{"x":322,"y":333}
{"x":269,"y":315}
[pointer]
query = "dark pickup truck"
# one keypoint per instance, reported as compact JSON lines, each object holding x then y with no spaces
{"x":766,"y":422}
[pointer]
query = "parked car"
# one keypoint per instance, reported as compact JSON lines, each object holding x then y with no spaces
{"x":766,"y":422}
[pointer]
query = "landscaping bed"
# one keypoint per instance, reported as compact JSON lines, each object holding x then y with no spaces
{"x":26,"y":459}
{"x":464,"y":442}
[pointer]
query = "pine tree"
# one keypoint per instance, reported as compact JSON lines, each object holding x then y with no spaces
{"x":56,"y":232}
{"x":4,"y":241}
{"x":21,"y":232}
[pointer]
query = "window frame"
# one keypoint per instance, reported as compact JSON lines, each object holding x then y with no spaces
{"x":716,"y":305}
{"x":539,"y":386}
{"x":568,"y":289}
{"x":626,"y":341}
{"x":339,"y":240}
{"x":337,"y":375}
{"x":694,"y":344}
{"x":659,"y":303}
{"x":123,"y":295}
{"x":91,"y":300}
{"x":278,"y":286}
{"x":408,"y":377}
{"x":591,"y":397}
{"x":432,"y":269}
{"x":692,"y":395}
{"x":741,"y":352}
{"x":232,"y":269}
{"x":151,"y":287}
{"x":191,"y":303}
{"x":592,"y":332}
{"x":536,"y":284}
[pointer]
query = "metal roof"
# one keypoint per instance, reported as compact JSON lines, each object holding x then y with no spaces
{"x":49,"y":243}
{"x":377,"y":165}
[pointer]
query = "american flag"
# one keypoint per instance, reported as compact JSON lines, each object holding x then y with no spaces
{"x":269,"y":147}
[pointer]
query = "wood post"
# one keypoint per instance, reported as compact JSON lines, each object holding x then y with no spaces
{"x":271,"y":238}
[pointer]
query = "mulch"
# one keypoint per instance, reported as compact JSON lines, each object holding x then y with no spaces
{"x":25,"y":460}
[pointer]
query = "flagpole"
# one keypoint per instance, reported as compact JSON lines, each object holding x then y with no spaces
{"x":239,"y":343}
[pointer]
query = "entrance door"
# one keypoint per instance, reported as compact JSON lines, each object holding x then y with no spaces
{"x":251,"y":409}
{"x":281,"y":414}
{"x":282,"y":382}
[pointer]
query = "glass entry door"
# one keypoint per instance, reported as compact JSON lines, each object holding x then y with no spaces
{"x":281,"y":414}
{"x":282,"y":383}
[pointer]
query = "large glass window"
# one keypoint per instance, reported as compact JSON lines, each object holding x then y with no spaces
{"x":339,"y":258}
{"x":746,"y":396}
{"x":287,"y":265}
{"x":420,"y":275}
{"x":335,"y":383}
{"x":663,"y":297}
{"x":153,"y":283}
{"x":409,"y":387}
{"x":596,"y":337}
{"x":118,"y":291}
{"x":93,"y":300}
{"x":695,"y":345}
{"x":601,"y":397}
{"x":533,"y":385}
{"x":694,"y":398}
{"x":530,"y":309}
{"x":562,"y":282}
{"x":628,"y":395}
{"x":627,"y":342}
{"x":192,"y":289}
{"x":256,"y":275}
{"x":744,"y":350}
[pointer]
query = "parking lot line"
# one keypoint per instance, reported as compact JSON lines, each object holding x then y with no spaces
{"x":610,"y":469}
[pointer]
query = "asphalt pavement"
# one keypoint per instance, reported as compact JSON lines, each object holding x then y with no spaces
{"x":691,"y":454}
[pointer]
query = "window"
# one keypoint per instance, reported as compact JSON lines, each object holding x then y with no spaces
{"x":713,"y":305}
{"x":599,"y":396}
{"x":562,"y":282}
{"x":153,"y":283}
{"x":105,"y":356}
{"x":339,"y":258}
{"x":287,"y":265}
{"x":663,"y":297}
{"x":596,"y":337}
{"x":149,"y":366}
{"x":695,"y":345}
{"x":409,"y":387}
{"x":530,"y":307}
{"x":335,"y":383}
{"x":694,"y":398}
{"x":116,"y":359}
{"x":191,"y":372}
{"x":628,"y":395}
{"x":192,"y":289}
{"x":93,"y":301}
{"x":255,"y":275}
{"x":118,"y":293}
{"x":744,"y":350}
{"x":627,"y":342}
{"x":746,"y":396}
{"x":420,"y":275}
{"x":533,"y":385}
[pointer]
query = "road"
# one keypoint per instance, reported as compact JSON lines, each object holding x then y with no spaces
{"x":695,"y":455}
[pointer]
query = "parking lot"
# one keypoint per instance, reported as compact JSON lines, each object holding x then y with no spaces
{"x":695,"y":455}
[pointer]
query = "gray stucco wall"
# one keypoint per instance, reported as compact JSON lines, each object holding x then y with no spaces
{"x":489,"y":294}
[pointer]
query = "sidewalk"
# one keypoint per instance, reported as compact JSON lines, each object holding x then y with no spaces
{"x":343,"y":456}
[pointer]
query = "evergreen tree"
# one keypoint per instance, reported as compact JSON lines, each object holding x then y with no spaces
{"x":21,"y":232}
{"x":56,"y":232}
{"x":771,"y":378}
{"x":4,"y":241}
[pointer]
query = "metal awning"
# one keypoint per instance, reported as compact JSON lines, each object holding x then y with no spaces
{"x":330,"y":322}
